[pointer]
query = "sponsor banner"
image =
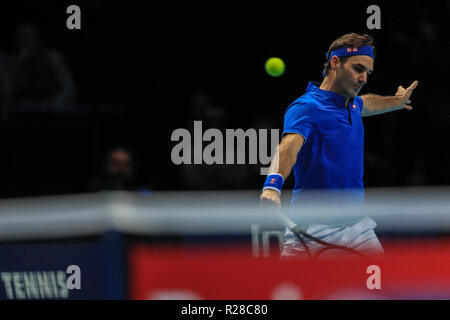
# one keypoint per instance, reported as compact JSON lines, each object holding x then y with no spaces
{"x":407,"y":271}
{"x":61,"y":271}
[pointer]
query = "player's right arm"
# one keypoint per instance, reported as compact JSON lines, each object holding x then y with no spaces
{"x":282,"y":163}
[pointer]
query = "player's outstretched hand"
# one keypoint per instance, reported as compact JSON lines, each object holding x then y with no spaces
{"x":405,"y":95}
{"x":270,"y":198}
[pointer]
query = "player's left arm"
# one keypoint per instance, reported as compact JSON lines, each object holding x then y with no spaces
{"x":374,"y":104}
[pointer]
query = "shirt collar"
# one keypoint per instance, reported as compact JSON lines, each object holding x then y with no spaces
{"x":328,"y":96}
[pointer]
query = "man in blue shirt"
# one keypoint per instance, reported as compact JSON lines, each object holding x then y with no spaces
{"x":323,"y":139}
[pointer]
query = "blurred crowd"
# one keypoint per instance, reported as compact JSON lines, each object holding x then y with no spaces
{"x":35,"y":78}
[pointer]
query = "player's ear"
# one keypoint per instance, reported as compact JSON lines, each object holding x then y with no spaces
{"x":335,"y":62}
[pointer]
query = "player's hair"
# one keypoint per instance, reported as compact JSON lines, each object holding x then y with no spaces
{"x":348,"y":40}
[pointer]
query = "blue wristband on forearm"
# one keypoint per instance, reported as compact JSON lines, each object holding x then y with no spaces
{"x":274,"y":181}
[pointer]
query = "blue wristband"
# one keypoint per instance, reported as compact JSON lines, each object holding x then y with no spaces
{"x":274,"y":181}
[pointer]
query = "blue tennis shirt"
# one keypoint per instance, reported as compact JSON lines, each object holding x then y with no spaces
{"x":333,"y":153}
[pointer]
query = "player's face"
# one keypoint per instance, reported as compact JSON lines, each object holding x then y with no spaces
{"x":120,"y":164}
{"x":352,"y":75}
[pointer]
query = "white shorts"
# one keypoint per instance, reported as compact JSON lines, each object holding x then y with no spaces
{"x":359,"y":236}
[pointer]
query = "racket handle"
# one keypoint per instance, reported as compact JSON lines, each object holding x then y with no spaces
{"x":267,"y":203}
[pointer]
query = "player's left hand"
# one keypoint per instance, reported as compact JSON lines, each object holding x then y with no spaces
{"x":405,"y":95}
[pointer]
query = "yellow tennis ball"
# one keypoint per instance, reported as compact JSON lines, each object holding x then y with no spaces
{"x":275,"y":67}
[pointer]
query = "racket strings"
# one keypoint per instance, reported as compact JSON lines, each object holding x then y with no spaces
{"x":327,"y":245}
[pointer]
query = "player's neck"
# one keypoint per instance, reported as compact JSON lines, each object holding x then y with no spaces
{"x":328,"y":84}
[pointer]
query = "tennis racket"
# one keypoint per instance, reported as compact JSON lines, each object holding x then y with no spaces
{"x":301,"y":234}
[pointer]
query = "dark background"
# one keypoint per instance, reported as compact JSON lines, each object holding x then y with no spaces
{"x":139,"y":66}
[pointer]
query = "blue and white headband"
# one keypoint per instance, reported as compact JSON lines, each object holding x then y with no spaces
{"x":347,"y":51}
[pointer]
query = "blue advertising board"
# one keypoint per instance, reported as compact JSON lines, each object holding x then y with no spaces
{"x":66,"y":270}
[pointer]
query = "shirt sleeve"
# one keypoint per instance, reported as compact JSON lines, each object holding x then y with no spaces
{"x":299,"y":119}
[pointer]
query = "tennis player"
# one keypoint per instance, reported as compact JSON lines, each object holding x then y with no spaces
{"x":323,"y":142}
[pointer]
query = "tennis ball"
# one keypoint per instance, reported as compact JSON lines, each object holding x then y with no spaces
{"x":275,"y":67}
